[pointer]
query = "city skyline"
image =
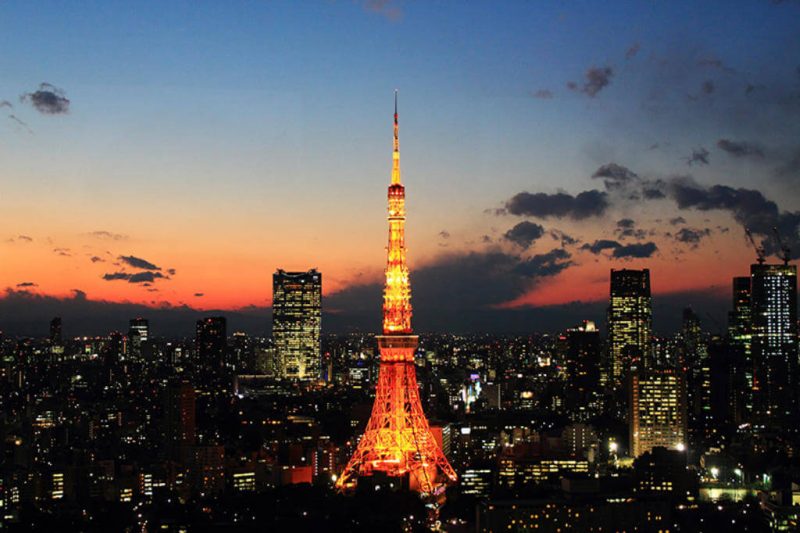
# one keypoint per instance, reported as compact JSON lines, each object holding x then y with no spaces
{"x":538,"y":149}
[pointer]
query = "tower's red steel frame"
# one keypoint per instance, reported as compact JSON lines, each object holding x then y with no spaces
{"x":398,"y":440}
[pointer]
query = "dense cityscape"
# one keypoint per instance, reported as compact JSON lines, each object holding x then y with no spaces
{"x":611,"y":428}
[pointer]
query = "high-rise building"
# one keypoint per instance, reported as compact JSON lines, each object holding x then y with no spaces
{"x":740,"y":332}
{"x":657,"y":415}
{"x":398,"y":441}
{"x":629,"y":322}
{"x":56,"y":340}
{"x":582,"y":362}
{"x":138,"y":333}
{"x":296,"y":322}
{"x":774,"y":340}
{"x":179,"y":417}
{"x":56,"y":337}
{"x":211,"y":343}
{"x":695,"y":364}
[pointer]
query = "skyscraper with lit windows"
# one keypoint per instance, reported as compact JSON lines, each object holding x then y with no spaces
{"x":296,"y":323}
{"x":657,"y":415}
{"x":774,"y":340}
{"x":630,"y":318}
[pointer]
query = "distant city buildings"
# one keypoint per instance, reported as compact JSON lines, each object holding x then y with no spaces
{"x":296,"y":323}
{"x":630,"y":325}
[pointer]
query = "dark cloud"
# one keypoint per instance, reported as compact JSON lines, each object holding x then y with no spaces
{"x":632,"y":50}
{"x":138,"y":277}
{"x":48,"y":99}
{"x":548,"y":264}
{"x":740,"y":148}
{"x":699,"y":157}
{"x":524,"y":233}
{"x":27,"y":284}
{"x":137,"y":262}
{"x":791,"y":168}
{"x":24,"y":238}
{"x":626,"y":223}
{"x":6,"y":103}
{"x":444,"y":234}
{"x":615,"y":176}
{"x":171,"y":271}
{"x":749,"y":207}
{"x":563,"y":237}
{"x":559,"y":205}
{"x":199,"y":294}
{"x":677,"y":220}
{"x":107,"y":235}
{"x":652,"y":193}
{"x":637,"y":250}
{"x":543,"y":94}
{"x":626,"y":228}
{"x":62,"y":251}
{"x":96,"y":259}
{"x":597,"y":78}
{"x":692,"y":236}
{"x":598,"y":246}
{"x":456,"y":292}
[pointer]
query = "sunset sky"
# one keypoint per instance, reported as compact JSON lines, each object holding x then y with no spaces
{"x":176,"y":154}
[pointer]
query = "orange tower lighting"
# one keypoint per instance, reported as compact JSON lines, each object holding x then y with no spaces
{"x":398,"y":440}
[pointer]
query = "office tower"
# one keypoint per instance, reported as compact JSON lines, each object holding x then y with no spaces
{"x":774,"y":340}
{"x":629,"y":321}
{"x":728,"y":383}
{"x":657,"y":415}
{"x":296,"y":322}
{"x":179,"y":418}
{"x":242,"y":353}
{"x":211,"y":343}
{"x":56,"y":341}
{"x":582,"y":362}
{"x":740,"y":331}
{"x":138,"y":333}
{"x":56,"y":338}
{"x":695,"y":364}
{"x":398,"y":441}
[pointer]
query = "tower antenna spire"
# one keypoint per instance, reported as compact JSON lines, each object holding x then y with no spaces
{"x":396,"y":151}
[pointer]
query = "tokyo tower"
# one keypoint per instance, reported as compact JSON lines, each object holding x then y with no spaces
{"x":398,"y":441}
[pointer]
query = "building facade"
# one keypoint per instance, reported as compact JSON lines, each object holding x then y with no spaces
{"x":296,"y":323}
{"x":630,"y":322}
{"x":774,"y":340}
{"x":657,"y":415}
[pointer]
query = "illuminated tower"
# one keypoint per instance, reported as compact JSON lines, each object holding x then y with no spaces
{"x":398,"y":441}
{"x":629,"y":321}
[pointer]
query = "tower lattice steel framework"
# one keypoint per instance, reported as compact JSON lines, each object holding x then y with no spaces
{"x":398,"y":440}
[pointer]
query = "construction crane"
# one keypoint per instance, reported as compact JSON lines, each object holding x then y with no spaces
{"x":785,"y":252}
{"x":760,"y":252}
